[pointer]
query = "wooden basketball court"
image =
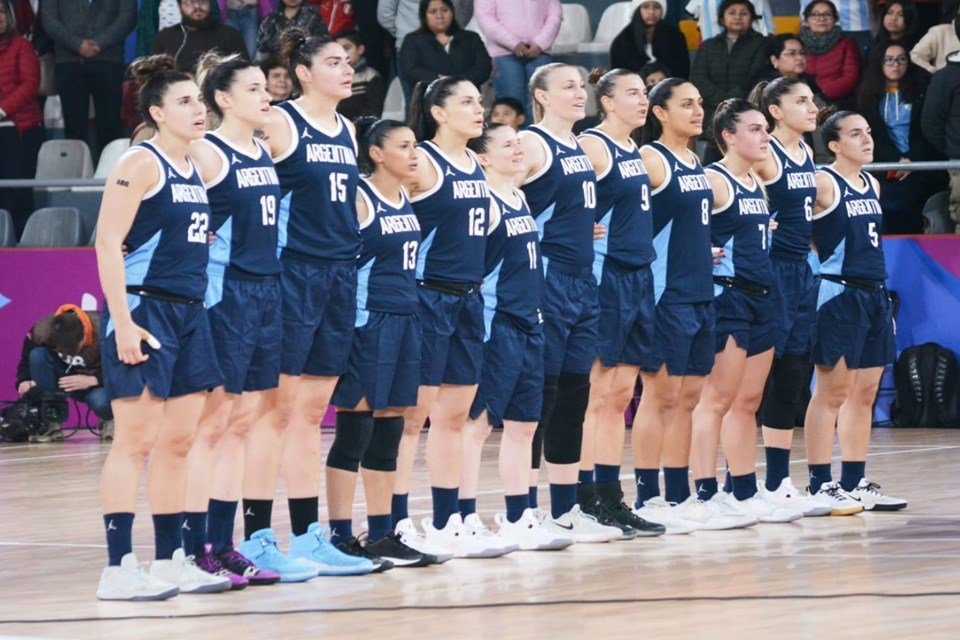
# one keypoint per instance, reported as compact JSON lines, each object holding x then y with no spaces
{"x":870,"y":576}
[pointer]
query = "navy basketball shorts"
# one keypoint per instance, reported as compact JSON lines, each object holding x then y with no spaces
{"x":247,"y":331}
{"x":511,"y":385}
{"x":384,"y":363}
{"x":319,"y":311}
{"x":570,"y":320}
{"x":852,"y":324}
{"x":794,"y":287}
{"x":453,"y":332}
{"x":684,"y":339}
{"x":185,"y":363}
{"x":752,"y":321}
{"x":627,"y":312}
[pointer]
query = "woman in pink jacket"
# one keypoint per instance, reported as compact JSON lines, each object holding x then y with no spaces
{"x":519,"y":34}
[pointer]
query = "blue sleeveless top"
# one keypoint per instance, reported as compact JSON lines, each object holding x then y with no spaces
{"x":792,"y":195}
{"x":847,"y":234}
{"x":740,"y":227}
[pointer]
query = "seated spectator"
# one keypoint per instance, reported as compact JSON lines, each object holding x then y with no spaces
{"x":931,"y":51}
{"x":833,"y":59}
{"x":279,"y":85}
{"x":519,"y":34}
{"x":853,"y":17}
{"x":653,"y":72}
{"x":440,"y":47}
{"x":788,"y":59}
{"x":707,"y":14}
{"x":61,"y":352}
{"x":288,"y":13}
{"x":940,"y":122}
{"x":896,"y":22}
{"x":369,"y":89}
{"x":21,"y":123}
{"x":647,"y":39}
{"x":197,"y":33}
{"x":890,"y":97}
{"x":508,"y":111}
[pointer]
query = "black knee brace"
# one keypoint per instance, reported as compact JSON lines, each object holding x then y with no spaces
{"x":381,"y":454}
{"x":783,"y":391}
{"x":354,"y":430}
{"x":549,"y":399}
{"x":564,"y":431}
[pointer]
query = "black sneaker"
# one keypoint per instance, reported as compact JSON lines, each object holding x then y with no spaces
{"x":353,"y":547}
{"x":603,"y":517}
{"x":391,"y":548}
{"x":620,"y":515}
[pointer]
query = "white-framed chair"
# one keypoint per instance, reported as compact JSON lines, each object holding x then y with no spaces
{"x":614,"y":19}
{"x":394,"y":106}
{"x":574,"y":29}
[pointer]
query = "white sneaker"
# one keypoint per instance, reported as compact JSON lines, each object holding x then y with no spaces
{"x":869,"y":495}
{"x":708,"y":518}
{"x":839,"y":501}
{"x":790,"y":497}
{"x":529,"y":534}
{"x":474,"y":526}
{"x":765,"y":511}
{"x":581,"y":527}
{"x":660,"y":511}
{"x":724,"y":504}
{"x":410,"y":536}
{"x":181,"y":571}
{"x":130,"y":582}
{"x":454,"y":539}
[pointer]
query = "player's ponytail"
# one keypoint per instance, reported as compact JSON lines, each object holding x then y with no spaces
{"x":658,"y":97}
{"x":425,"y":97}
{"x":297,"y":48}
{"x":372,"y":132}
{"x":604,"y":83}
{"x":154,"y":74}
{"x":215,"y":73}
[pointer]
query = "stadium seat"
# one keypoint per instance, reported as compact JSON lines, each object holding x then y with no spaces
{"x":786,"y":24}
{"x":108,"y":158}
{"x":614,"y":19}
{"x":936,"y":214}
{"x":393,"y":105}
{"x":691,"y":32}
{"x":53,"y":227}
{"x":63,"y":159}
{"x":474,"y":25}
{"x":7,"y":234}
{"x":574,"y":29}
{"x":93,"y":237}
{"x":53,"y":113}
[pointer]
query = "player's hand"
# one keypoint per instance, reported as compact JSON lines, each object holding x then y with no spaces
{"x":718,"y":254}
{"x":598,"y":231}
{"x":773,"y":225}
{"x":129,"y":349}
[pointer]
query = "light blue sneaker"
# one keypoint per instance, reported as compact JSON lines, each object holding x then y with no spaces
{"x":315,"y":549}
{"x":261,"y":549}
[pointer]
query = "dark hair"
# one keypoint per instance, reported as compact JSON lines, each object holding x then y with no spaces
{"x":604,"y":82}
{"x":422,"y":12}
{"x":873,"y":84}
{"x":66,"y":332}
{"x":350,"y":34}
{"x":658,"y":96}
{"x":482,"y":143}
{"x":154,"y":74}
{"x":218,"y":74}
{"x":777,"y":43}
{"x":910,"y":20}
{"x":272,"y":63}
{"x":727,"y":117}
{"x":807,"y":10}
{"x":539,"y":81}
{"x":297,"y":47}
{"x":10,"y":14}
{"x":372,"y":132}
{"x":653,"y":67}
{"x":766,"y":94}
{"x":508,"y":101}
{"x":830,"y":120}
{"x":425,"y":97}
{"x":950,"y":9}
{"x":726,"y":4}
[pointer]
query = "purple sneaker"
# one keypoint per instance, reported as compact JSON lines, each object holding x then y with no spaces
{"x":239,"y":564}
{"x":211,"y":564}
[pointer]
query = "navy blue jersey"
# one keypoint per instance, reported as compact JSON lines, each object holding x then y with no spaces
{"x":513,"y":284}
{"x":683,"y":268}
{"x":390,"y":237}
{"x":167,"y":243}
{"x":623,"y":207}
{"x":847,"y":233}
{"x":453,"y":219}
{"x":318,"y":184}
{"x":563,"y":197}
{"x":243,"y":202}
{"x":740,"y":227}
{"x":792,"y":194}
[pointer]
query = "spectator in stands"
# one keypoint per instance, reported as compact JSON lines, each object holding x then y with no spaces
{"x":853,"y":17}
{"x":156,"y":15}
{"x":287,"y":14}
{"x":789,"y":59}
{"x":369,"y":89}
{"x":61,"y":352}
{"x":279,"y":85}
{"x":707,"y":14}
{"x":940,"y":41}
{"x":833,"y":58}
{"x":725,"y":65}
{"x":519,"y":34}
{"x":88,"y":49}
{"x":508,"y":111}
{"x":243,"y":16}
{"x":440,"y":47}
{"x":940,"y":122}
{"x":896,"y":22}
{"x":198,"y":32}
{"x":653,"y":72}
{"x":890,"y":97}
{"x":21,"y":123}
{"x":647,"y":39}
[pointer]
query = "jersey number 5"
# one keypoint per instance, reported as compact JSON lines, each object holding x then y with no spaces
{"x":199,"y":223}
{"x":872,"y":232}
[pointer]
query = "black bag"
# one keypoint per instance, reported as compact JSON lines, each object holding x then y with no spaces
{"x":926,"y":378}
{"x":32,"y":414}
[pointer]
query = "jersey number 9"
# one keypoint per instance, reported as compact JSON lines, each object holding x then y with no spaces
{"x":199,"y":223}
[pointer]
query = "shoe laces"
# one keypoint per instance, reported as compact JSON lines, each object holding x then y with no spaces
{"x":871,"y":487}
{"x":833,"y":491}
{"x":233,"y":557}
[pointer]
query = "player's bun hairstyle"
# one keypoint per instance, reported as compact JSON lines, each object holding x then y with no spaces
{"x":830,"y":119}
{"x":766,"y":94}
{"x":604,"y":83}
{"x":727,"y":117}
{"x":427,"y":95}
{"x":539,"y":80}
{"x":297,"y":47}
{"x":372,"y":132}
{"x":658,"y":97}
{"x":216,"y":73}
{"x":482,"y":143}
{"x":154,"y":74}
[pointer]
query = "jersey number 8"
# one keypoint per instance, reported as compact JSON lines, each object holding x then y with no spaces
{"x":705,"y":211}
{"x":199,"y":223}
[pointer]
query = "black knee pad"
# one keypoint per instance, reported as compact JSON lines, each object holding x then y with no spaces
{"x":564,"y":431}
{"x":382,"y":451}
{"x":549,"y":399}
{"x":783,"y":391}
{"x":354,"y":429}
